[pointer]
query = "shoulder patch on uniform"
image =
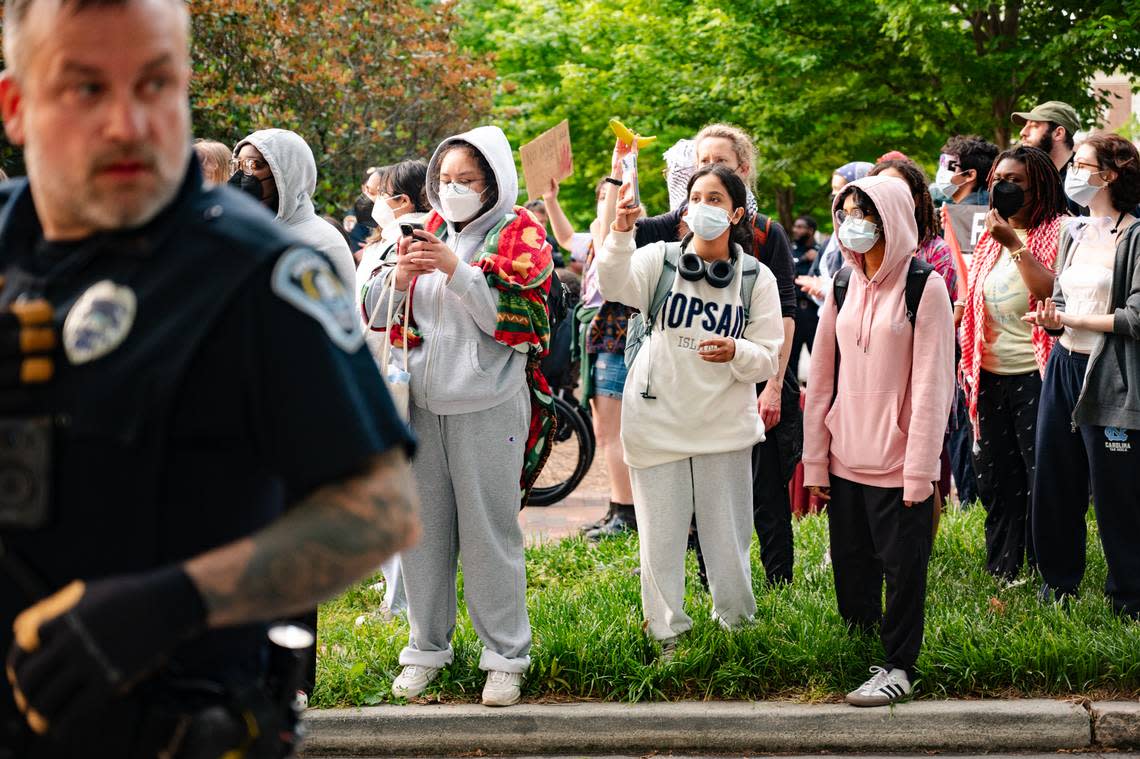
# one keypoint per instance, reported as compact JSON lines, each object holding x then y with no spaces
{"x":99,"y":321}
{"x":306,"y":279}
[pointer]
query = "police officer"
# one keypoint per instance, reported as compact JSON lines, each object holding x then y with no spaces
{"x":192,"y":439}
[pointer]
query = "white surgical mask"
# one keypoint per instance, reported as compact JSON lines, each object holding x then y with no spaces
{"x":858,"y":235}
{"x":707,"y":222}
{"x":944,"y":182}
{"x":382,"y":213}
{"x":1078,"y":188}
{"x":459,"y":203}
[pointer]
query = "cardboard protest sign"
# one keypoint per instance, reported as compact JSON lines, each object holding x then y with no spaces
{"x":969,"y":224}
{"x":546,"y":157}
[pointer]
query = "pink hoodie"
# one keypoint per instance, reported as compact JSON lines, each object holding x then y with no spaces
{"x":896,"y":385}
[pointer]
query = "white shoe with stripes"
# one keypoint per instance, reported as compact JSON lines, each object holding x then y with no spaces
{"x":882,"y":689}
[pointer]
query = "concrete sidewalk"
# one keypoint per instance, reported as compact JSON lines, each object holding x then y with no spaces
{"x":723,"y":726}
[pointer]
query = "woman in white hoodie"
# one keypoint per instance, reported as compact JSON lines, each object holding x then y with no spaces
{"x":470,"y":411}
{"x":689,"y":417}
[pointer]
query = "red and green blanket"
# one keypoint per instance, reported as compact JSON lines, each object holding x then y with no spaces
{"x":516,"y":260}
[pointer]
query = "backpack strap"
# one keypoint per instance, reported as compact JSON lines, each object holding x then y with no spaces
{"x":750,"y":269}
{"x":664,"y":285}
{"x":839,"y":285}
{"x":761,"y":225}
{"x":916,"y":276}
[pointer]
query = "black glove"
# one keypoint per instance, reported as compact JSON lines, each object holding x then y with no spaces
{"x":87,"y":643}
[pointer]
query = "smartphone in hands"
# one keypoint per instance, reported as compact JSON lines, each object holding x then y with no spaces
{"x":407,"y":228}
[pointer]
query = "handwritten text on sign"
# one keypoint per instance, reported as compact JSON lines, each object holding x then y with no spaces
{"x":546,"y":158}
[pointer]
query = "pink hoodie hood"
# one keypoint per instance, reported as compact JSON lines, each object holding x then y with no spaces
{"x":895,"y":205}
{"x":883,"y":424}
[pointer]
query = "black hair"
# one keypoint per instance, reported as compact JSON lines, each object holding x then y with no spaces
{"x":407,"y":178}
{"x":538,"y":204}
{"x":1044,"y":182}
{"x":741,"y":233}
{"x":915,"y":178}
{"x":809,"y":221}
{"x":1069,"y":142}
{"x":1118,"y":154}
{"x":862,"y":201}
{"x":973,"y":153}
{"x":484,"y":167}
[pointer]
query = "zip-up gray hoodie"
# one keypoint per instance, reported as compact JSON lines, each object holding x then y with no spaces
{"x":295,"y":171}
{"x":460,"y":368}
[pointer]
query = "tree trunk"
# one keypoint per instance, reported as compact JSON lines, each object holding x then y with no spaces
{"x":785,"y":203}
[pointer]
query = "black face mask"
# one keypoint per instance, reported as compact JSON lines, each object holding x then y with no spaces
{"x":1007,"y":198}
{"x":363,"y":210}
{"x":247,"y":183}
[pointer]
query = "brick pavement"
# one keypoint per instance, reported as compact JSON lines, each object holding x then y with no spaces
{"x":586,"y":504}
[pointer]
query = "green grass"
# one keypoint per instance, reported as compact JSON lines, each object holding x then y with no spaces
{"x":981,"y":639}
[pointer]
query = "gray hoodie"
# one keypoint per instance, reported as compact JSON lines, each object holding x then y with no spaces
{"x":295,"y":171}
{"x":460,"y":368}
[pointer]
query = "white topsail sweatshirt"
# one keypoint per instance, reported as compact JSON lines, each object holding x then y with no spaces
{"x":700,"y":407}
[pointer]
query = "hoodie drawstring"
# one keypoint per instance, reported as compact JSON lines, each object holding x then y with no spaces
{"x":864,"y":320}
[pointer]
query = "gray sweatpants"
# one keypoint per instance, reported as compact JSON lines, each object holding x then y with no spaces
{"x":718,"y":488}
{"x":467,"y":469}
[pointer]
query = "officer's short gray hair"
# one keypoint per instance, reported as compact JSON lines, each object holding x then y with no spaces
{"x":15,"y":11}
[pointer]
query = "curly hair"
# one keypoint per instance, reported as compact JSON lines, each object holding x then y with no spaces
{"x":1114,"y":153}
{"x":915,"y":178}
{"x":1044,"y":182}
{"x":742,"y":146}
{"x":973,"y":153}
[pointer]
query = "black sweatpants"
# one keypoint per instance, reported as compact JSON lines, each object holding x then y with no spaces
{"x":773,"y":464}
{"x":1004,"y":463}
{"x":1066,"y":461}
{"x":961,"y":446}
{"x":875,"y":538}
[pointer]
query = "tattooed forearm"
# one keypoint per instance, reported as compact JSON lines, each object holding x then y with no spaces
{"x":334,"y":537}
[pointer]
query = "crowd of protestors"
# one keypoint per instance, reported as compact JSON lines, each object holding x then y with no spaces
{"x":1005,"y":376}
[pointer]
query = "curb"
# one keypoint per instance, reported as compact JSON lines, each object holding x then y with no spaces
{"x":722,"y":726}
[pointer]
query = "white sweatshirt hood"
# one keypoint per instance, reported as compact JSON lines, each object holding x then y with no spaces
{"x":493,"y":145}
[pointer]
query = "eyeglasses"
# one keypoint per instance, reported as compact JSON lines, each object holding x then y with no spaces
{"x":247,"y":166}
{"x":1091,"y":168}
{"x":858,"y":214}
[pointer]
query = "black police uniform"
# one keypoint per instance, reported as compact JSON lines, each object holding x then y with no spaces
{"x":239,"y":386}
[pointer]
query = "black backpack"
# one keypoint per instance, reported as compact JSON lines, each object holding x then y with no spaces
{"x":916,"y":275}
{"x":556,"y":367}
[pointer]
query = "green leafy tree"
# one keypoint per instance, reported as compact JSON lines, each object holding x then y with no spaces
{"x":818,"y":84}
{"x":363,"y":85}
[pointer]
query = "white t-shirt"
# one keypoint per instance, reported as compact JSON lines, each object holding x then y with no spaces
{"x":1087,"y":285}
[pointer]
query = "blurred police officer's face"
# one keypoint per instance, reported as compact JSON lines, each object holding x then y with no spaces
{"x":98,"y":98}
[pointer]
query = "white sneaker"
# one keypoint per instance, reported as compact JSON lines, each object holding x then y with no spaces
{"x":882,"y":689}
{"x":413,"y":680}
{"x":502,"y":688}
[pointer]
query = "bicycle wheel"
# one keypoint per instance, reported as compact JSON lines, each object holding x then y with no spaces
{"x":571,"y":454}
